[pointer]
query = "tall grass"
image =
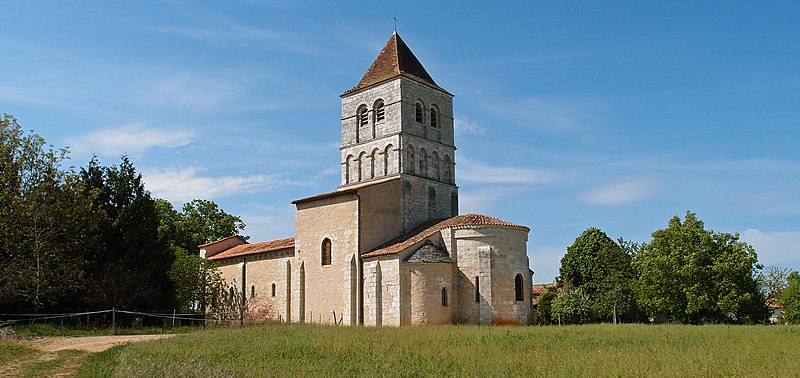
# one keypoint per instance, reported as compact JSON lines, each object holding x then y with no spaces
{"x":604,"y":350}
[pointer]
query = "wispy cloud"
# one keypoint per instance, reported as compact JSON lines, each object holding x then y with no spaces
{"x":465,"y":126}
{"x":482,"y":200}
{"x":547,"y":114}
{"x":620,"y":193}
{"x":186,"y":183}
{"x":187,"y":91}
{"x":474,"y":171}
{"x":220,"y":31}
{"x":133,"y":138}
{"x":775,"y":248}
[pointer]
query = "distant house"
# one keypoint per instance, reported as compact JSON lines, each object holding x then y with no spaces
{"x":539,"y":289}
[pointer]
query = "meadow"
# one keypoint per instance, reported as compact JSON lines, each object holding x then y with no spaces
{"x":592,"y":350}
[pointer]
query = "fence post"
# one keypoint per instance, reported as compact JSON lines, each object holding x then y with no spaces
{"x":173,"y":317}
{"x":113,"y":320}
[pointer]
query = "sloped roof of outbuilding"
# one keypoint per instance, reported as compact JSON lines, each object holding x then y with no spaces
{"x":403,"y":242}
{"x":429,"y":253}
{"x":395,"y":59}
{"x":255,"y":248}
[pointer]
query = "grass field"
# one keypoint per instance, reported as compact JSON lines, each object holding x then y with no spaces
{"x":595,"y":350}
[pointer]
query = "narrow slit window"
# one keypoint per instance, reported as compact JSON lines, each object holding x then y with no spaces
{"x":418,"y":112}
{"x":477,"y":289}
{"x":273,"y":290}
{"x":252,"y":291}
{"x":434,"y":118}
{"x":444,"y":297}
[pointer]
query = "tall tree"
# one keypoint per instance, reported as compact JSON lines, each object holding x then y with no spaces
{"x":694,"y":275}
{"x":41,"y":259}
{"x":131,"y":265}
{"x":602,"y":270}
{"x":202,"y":221}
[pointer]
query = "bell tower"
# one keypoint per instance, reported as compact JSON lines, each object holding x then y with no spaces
{"x":397,"y":122}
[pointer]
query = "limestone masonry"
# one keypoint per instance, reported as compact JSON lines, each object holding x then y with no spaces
{"x":388,"y":246}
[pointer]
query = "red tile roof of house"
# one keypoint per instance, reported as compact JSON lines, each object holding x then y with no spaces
{"x":428,"y":229}
{"x":395,"y":59}
{"x":541,"y":288}
{"x":255,"y":248}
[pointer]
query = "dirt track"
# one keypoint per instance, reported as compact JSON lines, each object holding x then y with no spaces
{"x":70,"y":364}
{"x":92,"y":344}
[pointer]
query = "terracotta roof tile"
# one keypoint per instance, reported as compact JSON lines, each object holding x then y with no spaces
{"x":255,"y":248}
{"x":395,"y":59}
{"x":428,"y":229}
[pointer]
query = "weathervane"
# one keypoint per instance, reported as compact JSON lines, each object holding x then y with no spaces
{"x":395,"y":24}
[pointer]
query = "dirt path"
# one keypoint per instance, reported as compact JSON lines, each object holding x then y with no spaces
{"x":92,"y":344}
{"x":50,"y":346}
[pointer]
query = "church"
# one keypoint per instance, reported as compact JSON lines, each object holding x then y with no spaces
{"x":387,"y":247}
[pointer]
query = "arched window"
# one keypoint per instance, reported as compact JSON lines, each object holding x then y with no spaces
{"x":444,"y":297}
{"x":519,"y":294}
{"x":410,"y":159}
{"x":252,"y":291}
{"x":434,"y":118}
{"x":273,"y":290}
{"x":232,"y":295}
{"x":326,"y":252}
{"x":362,"y":116}
{"x":418,"y":112}
{"x":379,"y":111}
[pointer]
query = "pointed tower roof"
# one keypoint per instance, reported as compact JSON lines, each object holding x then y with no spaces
{"x":395,"y":59}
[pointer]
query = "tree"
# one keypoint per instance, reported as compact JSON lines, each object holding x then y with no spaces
{"x":542,"y":312}
{"x":602,"y":270}
{"x":131,"y":262}
{"x":773,"y":280}
{"x":694,"y":275}
{"x":791,"y":299}
{"x":41,"y":223}
{"x":200,"y":222}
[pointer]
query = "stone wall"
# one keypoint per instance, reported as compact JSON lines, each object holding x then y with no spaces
{"x":262,"y":271}
{"x":320,"y":290}
{"x":490,"y":257}
{"x":426,"y":302}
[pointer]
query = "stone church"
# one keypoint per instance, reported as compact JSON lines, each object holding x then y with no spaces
{"x":388,"y":246}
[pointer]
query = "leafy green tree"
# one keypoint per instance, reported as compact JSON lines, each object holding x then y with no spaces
{"x":542,"y":312}
{"x":602,"y":270}
{"x":195,"y":279}
{"x":694,"y":275}
{"x":791,"y":299}
{"x":42,"y":221}
{"x":202,"y":221}
{"x":574,"y":306}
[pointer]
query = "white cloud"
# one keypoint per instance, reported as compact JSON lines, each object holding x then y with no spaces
{"x":465,"y":126}
{"x":185,"y":184}
{"x":775,"y":248}
{"x":620,"y":193}
{"x":132,"y":138}
{"x":474,"y":171}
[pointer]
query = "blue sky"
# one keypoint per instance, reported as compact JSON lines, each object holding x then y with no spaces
{"x":569,"y":115}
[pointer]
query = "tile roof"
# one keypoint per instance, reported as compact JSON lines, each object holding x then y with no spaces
{"x":541,"y":288}
{"x":428,"y":229}
{"x":429,"y":253}
{"x":222,"y":240}
{"x":395,"y":59}
{"x":343,"y":191}
{"x":255,"y":248}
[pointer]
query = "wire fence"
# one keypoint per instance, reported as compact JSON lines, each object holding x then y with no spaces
{"x":114,"y":318}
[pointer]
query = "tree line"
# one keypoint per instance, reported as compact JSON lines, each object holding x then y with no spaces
{"x":93,"y":238}
{"x":684,"y":274}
